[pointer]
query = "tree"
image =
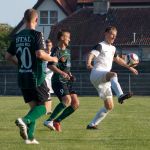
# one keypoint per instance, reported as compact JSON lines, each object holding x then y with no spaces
{"x":5,"y":31}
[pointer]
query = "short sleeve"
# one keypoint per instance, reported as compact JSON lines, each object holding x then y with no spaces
{"x":39,"y":41}
{"x":11,"y":49}
{"x":96,"y":50}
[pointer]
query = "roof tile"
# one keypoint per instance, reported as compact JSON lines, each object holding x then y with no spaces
{"x":87,"y":28}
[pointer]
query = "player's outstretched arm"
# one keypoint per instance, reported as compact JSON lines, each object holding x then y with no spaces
{"x":89,"y":61}
{"x":121,"y":62}
{"x":41,"y":54}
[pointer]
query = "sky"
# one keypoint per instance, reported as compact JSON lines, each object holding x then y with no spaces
{"x":11,"y":11}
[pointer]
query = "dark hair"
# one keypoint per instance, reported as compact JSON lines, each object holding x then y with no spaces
{"x":30,"y":14}
{"x":48,"y":41}
{"x":61,"y":33}
{"x":109,"y":28}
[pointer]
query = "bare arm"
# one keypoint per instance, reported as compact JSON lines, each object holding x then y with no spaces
{"x":121,"y":62}
{"x":89,"y":61}
{"x":11,"y":58}
{"x":57,"y":70}
{"x":41,"y":54}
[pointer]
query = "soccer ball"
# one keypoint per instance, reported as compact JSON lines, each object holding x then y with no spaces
{"x":132,"y":59}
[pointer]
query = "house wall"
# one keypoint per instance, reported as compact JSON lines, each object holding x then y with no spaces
{"x":48,"y":5}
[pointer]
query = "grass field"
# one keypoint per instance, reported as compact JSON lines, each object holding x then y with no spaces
{"x":127,"y":127}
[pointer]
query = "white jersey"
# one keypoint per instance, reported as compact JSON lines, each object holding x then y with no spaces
{"x":104,"y":54}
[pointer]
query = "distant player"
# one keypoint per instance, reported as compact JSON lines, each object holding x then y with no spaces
{"x":103,"y":54}
{"x":29,"y":48}
{"x":62,"y":83}
{"x":49,"y":74}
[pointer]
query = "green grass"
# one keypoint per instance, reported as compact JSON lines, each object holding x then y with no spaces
{"x":127,"y":127}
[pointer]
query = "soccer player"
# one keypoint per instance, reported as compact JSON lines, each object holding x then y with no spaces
{"x":28,"y":46}
{"x":62,"y":83}
{"x":102,"y":78}
{"x":49,"y":74}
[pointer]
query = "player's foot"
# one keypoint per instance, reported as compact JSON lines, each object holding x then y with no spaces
{"x":92,"y":127}
{"x":49,"y":124}
{"x":34,"y":141}
{"x":57,"y":126}
{"x":23,"y":128}
{"x":124,"y":97}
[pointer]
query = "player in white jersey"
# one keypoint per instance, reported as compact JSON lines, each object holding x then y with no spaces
{"x":49,"y":74}
{"x":101,"y":76}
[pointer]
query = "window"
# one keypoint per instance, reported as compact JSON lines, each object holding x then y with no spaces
{"x":53,"y":17}
{"x":43,"y":17}
{"x":48,"y":17}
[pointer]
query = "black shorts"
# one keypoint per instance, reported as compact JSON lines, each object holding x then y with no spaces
{"x":38,"y":94}
{"x":63,"y":89}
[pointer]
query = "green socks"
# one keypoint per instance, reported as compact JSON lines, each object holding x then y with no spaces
{"x":31,"y":128}
{"x":34,"y":114}
{"x":56,"y":111}
{"x":68,"y":111}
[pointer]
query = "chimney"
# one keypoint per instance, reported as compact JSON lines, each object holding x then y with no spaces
{"x":134,"y":37}
{"x":101,"y":6}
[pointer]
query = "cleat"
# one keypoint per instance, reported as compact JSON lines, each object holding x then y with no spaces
{"x":49,"y":124}
{"x":57,"y":126}
{"x":124,"y":97}
{"x":92,"y":127}
{"x":23,"y":128}
{"x":34,"y":141}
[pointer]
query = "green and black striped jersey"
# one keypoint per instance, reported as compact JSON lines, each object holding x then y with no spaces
{"x":31,"y":70}
{"x":64,"y":63}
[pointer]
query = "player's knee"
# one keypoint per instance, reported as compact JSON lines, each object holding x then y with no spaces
{"x":66,"y":101}
{"x":110,"y":75}
{"x":75,"y":104}
{"x":109,"y":105}
{"x":113,"y":74}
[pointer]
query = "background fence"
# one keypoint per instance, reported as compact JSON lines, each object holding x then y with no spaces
{"x":139,"y":85}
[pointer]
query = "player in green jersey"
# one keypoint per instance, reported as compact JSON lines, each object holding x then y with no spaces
{"x":62,"y":83}
{"x":28,"y":46}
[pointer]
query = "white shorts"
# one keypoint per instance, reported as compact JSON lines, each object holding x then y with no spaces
{"x":49,"y":84}
{"x":103,"y":87}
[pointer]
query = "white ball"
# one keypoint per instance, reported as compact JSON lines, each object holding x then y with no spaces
{"x":132,"y":59}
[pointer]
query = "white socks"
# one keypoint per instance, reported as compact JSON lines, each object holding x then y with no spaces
{"x":101,"y":114}
{"x":116,"y":86}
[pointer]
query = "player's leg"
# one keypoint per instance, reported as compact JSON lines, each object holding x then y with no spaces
{"x":62,"y":92}
{"x":70,"y":109}
{"x":54,"y":123}
{"x":113,"y":78}
{"x":48,"y":103}
{"x":74,"y":104}
{"x":106,"y":95}
{"x":40,"y":94}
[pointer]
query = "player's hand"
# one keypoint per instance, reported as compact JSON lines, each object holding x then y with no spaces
{"x":72,"y":78}
{"x":65,"y":75}
{"x":89,"y":66}
{"x":55,"y":59}
{"x":133,"y":70}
